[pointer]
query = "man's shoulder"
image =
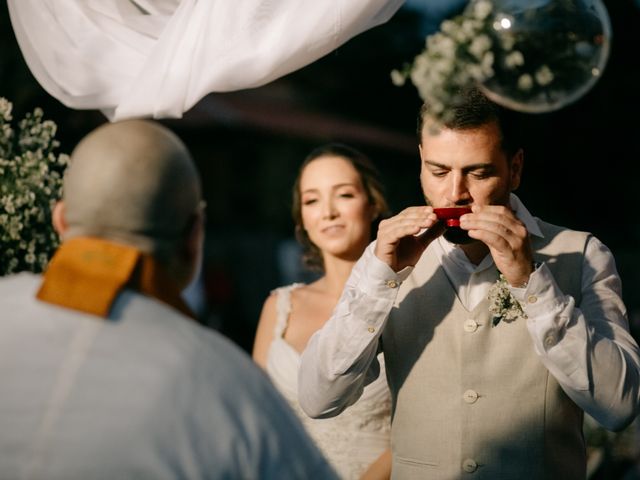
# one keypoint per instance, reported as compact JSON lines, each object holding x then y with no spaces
{"x":23,"y":279}
{"x":15,"y":288}
{"x":211,"y":363}
{"x":150,"y":314}
{"x":554,"y":233}
{"x":554,"y":228}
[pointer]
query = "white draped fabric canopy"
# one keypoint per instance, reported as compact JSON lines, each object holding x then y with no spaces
{"x":157,"y":58}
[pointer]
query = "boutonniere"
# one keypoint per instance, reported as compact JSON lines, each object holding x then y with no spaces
{"x":502,"y":304}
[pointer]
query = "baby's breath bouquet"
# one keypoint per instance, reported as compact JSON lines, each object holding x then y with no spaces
{"x":502,"y":304}
{"x":30,"y":183}
{"x":531,"y":56}
{"x":457,"y":55}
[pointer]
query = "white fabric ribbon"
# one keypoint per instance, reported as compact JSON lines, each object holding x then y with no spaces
{"x":157,"y":58}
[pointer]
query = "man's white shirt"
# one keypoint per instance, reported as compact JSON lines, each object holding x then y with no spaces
{"x":341,"y":356}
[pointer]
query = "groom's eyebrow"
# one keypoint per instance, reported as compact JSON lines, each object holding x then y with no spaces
{"x":476,"y":166}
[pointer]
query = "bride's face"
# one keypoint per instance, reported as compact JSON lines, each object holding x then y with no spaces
{"x":336,"y":212}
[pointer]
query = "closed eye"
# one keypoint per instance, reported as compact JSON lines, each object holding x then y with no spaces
{"x":482,"y":173}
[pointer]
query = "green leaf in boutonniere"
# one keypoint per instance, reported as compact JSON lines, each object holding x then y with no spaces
{"x":502,"y":304}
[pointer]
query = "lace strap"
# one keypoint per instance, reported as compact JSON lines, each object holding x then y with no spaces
{"x":283,"y":307}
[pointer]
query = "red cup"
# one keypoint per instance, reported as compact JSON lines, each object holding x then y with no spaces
{"x":451,"y":215}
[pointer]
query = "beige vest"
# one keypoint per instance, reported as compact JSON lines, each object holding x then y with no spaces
{"x":474,"y":401}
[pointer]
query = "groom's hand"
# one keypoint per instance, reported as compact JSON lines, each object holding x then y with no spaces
{"x":403,"y":238}
{"x":507,"y":239}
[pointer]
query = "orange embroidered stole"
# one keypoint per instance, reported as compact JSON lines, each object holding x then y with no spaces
{"x":87,"y":274}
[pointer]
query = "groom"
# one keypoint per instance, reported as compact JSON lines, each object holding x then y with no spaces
{"x":103,"y":372}
{"x":490,"y":374}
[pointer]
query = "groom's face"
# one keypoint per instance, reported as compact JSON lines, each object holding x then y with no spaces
{"x":467,"y":167}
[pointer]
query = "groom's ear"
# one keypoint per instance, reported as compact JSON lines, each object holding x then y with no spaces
{"x":58,"y":219}
{"x":517,"y":162}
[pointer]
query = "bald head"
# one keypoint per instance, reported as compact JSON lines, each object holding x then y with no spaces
{"x":134,"y":182}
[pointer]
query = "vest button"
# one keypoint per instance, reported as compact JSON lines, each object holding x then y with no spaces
{"x":470,"y":325}
{"x":550,"y":340}
{"x":469,"y":465}
{"x":470,"y":396}
{"x":532,"y":299}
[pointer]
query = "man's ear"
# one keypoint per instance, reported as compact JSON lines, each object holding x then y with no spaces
{"x":193,"y":242}
{"x":57,"y":218}
{"x":195,"y":236}
{"x":517,"y":162}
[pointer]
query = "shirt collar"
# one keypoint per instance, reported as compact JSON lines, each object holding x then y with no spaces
{"x":525,"y":216}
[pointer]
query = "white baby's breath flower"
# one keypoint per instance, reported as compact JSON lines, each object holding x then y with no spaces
{"x":449,"y":27}
{"x":487,"y":65}
{"x":471,"y":27}
{"x":5,"y":110}
{"x":525,"y":81}
{"x":30,"y":182}
{"x":476,"y":72}
{"x":544,"y":75}
{"x":464,"y":32}
{"x":480,"y":45}
{"x":482,"y":9}
{"x":398,"y":78}
{"x":502,"y":305}
{"x":514,"y":59}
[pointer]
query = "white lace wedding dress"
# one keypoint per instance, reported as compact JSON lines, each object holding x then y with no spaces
{"x":355,"y":438}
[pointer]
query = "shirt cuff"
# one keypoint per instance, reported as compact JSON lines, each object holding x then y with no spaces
{"x":541,"y":295}
{"x":380,"y":280}
{"x":548,"y":312}
{"x":542,"y":302}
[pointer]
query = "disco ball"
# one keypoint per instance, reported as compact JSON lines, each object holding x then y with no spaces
{"x":547,"y":53}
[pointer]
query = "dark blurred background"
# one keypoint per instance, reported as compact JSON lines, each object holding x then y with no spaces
{"x":580,"y":166}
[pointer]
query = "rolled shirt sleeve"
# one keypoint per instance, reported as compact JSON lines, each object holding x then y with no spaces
{"x":587,"y":347}
{"x":341,"y":358}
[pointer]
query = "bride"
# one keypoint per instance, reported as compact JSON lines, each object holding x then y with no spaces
{"x":336,"y":198}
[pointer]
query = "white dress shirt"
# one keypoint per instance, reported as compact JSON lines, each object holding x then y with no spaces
{"x":577,"y":344}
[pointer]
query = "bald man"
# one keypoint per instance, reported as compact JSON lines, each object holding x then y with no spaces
{"x":104,"y":374}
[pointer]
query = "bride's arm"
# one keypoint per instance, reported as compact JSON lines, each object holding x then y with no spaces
{"x":380,"y":469}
